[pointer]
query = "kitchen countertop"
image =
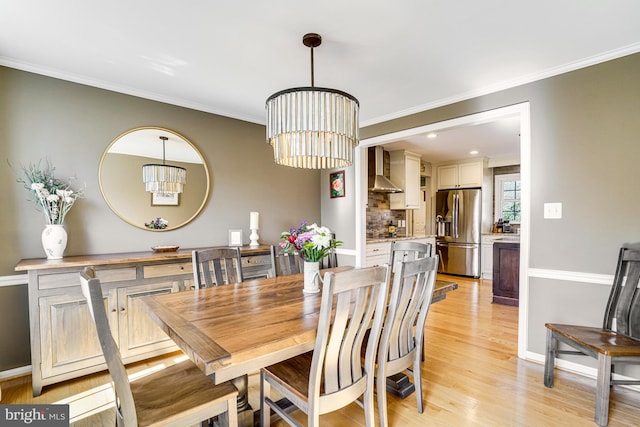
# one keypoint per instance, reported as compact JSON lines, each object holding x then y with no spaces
{"x":503,"y":237}
{"x":396,"y":238}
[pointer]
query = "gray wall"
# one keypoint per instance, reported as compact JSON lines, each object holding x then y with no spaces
{"x":584,"y":153}
{"x":71,"y":125}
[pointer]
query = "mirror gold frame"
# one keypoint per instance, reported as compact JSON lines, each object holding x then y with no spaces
{"x":120,"y":176}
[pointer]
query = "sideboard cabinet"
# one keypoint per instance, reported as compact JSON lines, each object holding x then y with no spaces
{"x":64,"y":343}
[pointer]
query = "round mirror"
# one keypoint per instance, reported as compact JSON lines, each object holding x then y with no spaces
{"x":159,"y":150}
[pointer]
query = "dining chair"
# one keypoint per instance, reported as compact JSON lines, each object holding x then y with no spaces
{"x":616,"y":342}
{"x":216,"y":266}
{"x":402,"y":336}
{"x":331,"y":260}
{"x":288,"y":264}
{"x":177,"y":395}
{"x":333,"y":375}
{"x":407,"y":250}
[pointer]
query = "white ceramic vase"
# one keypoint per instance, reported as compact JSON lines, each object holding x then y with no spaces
{"x":54,"y":240}
{"x":311,"y":277}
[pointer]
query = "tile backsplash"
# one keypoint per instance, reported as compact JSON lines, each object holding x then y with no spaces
{"x":379,"y":214}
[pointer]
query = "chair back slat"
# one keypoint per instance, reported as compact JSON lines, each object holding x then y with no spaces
{"x":216,"y":266}
{"x":360,"y":297}
{"x":92,"y":291}
{"x":406,"y":250}
{"x":411,"y":295}
{"x":288,"y":264}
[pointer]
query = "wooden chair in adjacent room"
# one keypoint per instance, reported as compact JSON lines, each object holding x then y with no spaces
{"x":333,"y":375}
{"x":216,"y":266}
{"x":178,"y":395}
{"x":617,"y":342}
{"x":401,"y":346}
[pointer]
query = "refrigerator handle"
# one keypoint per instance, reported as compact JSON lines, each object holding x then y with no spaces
{"x":456,"y":214}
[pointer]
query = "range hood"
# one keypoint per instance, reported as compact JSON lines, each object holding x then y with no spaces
{"x":381,"y":184}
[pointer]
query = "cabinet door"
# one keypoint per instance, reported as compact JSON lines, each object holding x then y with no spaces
{"x":412,"y":183}
{"x":506,"y":273}
{"x":487,"y":260}
{"x":470,"y":175}
{"x":447,"y":177}
{"x":138,"y":332}
{"x":68,"y":338}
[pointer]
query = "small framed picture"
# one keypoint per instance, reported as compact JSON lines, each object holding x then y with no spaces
{"x":336,"y":183}
{"x":235,"y":237}
{"x":158,"y":199}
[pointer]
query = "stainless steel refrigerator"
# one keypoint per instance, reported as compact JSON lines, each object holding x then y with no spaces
{"x":458,"y":224}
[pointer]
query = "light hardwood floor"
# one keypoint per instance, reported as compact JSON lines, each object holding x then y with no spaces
{"x":472,"y":377}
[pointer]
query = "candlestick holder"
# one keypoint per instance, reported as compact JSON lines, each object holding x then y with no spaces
{"x":253,"y":237}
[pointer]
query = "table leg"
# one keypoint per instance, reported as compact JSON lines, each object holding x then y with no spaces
{"x":400,"y":385}
{"x":245,"y":412}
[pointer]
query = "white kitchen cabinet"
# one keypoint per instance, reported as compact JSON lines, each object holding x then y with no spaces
{"x":463,"y":175}
{"x":378,"y":253}
{"x":405,"y":173}
{"x":486,"y":257}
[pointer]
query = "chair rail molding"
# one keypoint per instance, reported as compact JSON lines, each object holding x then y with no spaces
{"x":18,"y":279}
{"x":571,"y":276}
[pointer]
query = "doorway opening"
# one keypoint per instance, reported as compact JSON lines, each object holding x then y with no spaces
{"x":519,"y":110}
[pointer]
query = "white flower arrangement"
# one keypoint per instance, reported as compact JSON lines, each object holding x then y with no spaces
{"x":312,"y":242}
{"x":54,"y":196}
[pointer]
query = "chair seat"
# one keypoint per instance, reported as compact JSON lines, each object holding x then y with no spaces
{"x":293,"y":374}
{"x":181,"y":389}
{"x":598,"y":339}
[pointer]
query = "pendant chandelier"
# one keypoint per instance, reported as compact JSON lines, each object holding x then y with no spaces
{"x":312,"y":127}
{"x":164,"y":179}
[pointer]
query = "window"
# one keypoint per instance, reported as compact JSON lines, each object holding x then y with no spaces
{"x":507,"y":196}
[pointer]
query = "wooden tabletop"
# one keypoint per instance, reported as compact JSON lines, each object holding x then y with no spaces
{"x":231,"y":330}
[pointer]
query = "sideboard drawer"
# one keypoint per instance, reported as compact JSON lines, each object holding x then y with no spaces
{"x":72,"y":278}
{"x":256,"y":260}
{"x":161,"y":270}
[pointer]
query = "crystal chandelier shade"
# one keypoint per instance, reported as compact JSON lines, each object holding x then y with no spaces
{"x":313,"y":127}
{"x":163,"y":178}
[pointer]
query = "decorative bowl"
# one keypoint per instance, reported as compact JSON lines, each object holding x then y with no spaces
{"x":165,"y":248}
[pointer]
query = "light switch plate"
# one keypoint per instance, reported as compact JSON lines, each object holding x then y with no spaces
{"x":552,"y":210}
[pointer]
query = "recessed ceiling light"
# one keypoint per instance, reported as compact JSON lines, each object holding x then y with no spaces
{"x":432,"y":135}
{"x":473,"y":152}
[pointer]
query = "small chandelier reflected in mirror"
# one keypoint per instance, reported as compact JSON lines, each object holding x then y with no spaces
{"x":312,"y":127}
{"x":164,"y":179}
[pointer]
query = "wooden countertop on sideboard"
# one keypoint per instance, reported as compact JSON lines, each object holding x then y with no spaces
{"x":117,"y":258}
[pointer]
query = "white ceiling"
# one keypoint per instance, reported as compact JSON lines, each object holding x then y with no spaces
{"x":397,"y":58}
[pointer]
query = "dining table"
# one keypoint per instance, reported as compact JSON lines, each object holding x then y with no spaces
{"x":231,"y":330}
